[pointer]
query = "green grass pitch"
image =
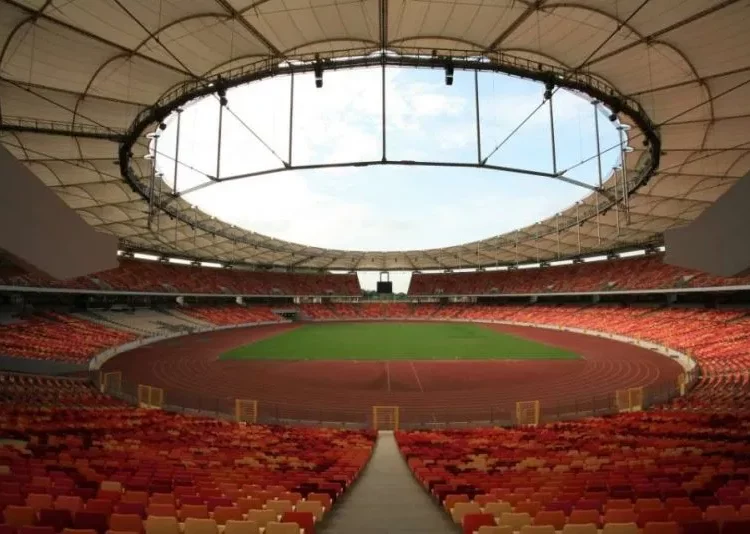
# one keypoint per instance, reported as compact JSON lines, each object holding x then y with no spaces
{"x":395,"y":341}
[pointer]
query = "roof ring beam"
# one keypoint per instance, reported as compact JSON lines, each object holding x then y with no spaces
{"x":490,"y":61}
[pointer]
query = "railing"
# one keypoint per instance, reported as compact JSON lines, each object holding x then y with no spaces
{"x":447,"y":416}
{"x":67,"y":128}
{"x":434,"y":416}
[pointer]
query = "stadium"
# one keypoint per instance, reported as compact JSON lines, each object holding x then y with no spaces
{"x":374,"y":266}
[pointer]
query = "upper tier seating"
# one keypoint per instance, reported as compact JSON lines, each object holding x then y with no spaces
{"x":54,"y":336}
{"x":149,"y":276}
{"x":648,"y":272}
{"x":641,"y":468}
{"x":232,"y":315}
{"x":126,"y":469}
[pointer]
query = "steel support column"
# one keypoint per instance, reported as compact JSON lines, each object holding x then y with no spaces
{"x":624,"y":170}
{"x":177,"y":150}
{"x":152,"y":183}
{"x":578,"y":225}
{"x":218,"y":144}
{"x":552,"y":135}
{"x":476,"y":107}
{"x":382,"y":103}
{"x":599,"y":168}
{"x":291,"y":119}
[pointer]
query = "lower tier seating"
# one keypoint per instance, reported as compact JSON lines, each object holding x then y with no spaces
{"x":135,"y":470}
{"x":662,"y":472}
{"x":232,"y":315}
{"x":49,"y":392}
{"x":719,"y":340}
{"x":56,"y":336}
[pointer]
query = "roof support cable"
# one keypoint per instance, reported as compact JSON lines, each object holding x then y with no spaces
{"x":595,"y":103}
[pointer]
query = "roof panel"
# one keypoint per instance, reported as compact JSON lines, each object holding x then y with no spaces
{"x":81,"y":57}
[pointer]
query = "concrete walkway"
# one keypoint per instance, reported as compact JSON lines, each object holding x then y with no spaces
{"x":387,"y":499}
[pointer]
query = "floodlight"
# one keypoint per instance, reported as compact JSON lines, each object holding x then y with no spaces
{"x":318,"y":70}
{"x":449,"y":73}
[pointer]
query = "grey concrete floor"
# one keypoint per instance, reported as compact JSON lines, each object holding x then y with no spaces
{"x":387,"y":499}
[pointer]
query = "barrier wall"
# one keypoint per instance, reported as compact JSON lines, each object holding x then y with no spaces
{"x":42,"y":233}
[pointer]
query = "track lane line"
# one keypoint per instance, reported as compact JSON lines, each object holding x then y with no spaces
{"x":416,"y":376}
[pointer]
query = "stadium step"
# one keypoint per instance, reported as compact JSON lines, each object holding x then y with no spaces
{"x":387,"y":498}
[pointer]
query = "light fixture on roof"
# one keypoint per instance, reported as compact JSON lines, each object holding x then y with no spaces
{"x":222,"y":96}
{"x":318,"y":71}
{"x":548,"y":88}
{"x":449,"y":72}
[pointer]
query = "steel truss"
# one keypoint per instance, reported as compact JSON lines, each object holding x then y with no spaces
{"x":551,"y":76}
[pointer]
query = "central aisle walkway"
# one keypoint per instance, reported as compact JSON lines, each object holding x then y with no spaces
{"x":387,"y":499}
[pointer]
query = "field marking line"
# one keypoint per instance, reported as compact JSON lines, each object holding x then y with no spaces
{"x":416,"y":376}
{"x":388,"y":375}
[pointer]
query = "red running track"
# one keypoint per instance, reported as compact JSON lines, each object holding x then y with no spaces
{"x":426,"y":391}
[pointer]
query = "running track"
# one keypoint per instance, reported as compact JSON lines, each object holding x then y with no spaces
{"x":426,"y":391}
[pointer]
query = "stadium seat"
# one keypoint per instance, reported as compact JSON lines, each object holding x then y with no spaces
{"x":19,"y":516}
{"x":200,"y":526}
{"x":582,"y":528}
{"x":305,"y":520}
{"x":515,"y":520}
{"x":700,"y":527}
{"x":497,"y":508}
{"x":461,"y":509}
{"x":35,"y":530}
{"x":314,"y":507}
{"x":161,"y":525}
{"x":276,"y":527}
{"x":472,"y":521}
{"x":554,"y":518}
{"x":262,"y":517}
{"x":280,"y":507}
{"x":736,"y":526}
{"x":127,"y":522}
{"x":90,"y":521}
{"x":661,"y":527}
{"x":241,"y":527}
{"x":161,"y":510}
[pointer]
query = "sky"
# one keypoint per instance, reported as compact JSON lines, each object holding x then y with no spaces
{"x":384,"y":207}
